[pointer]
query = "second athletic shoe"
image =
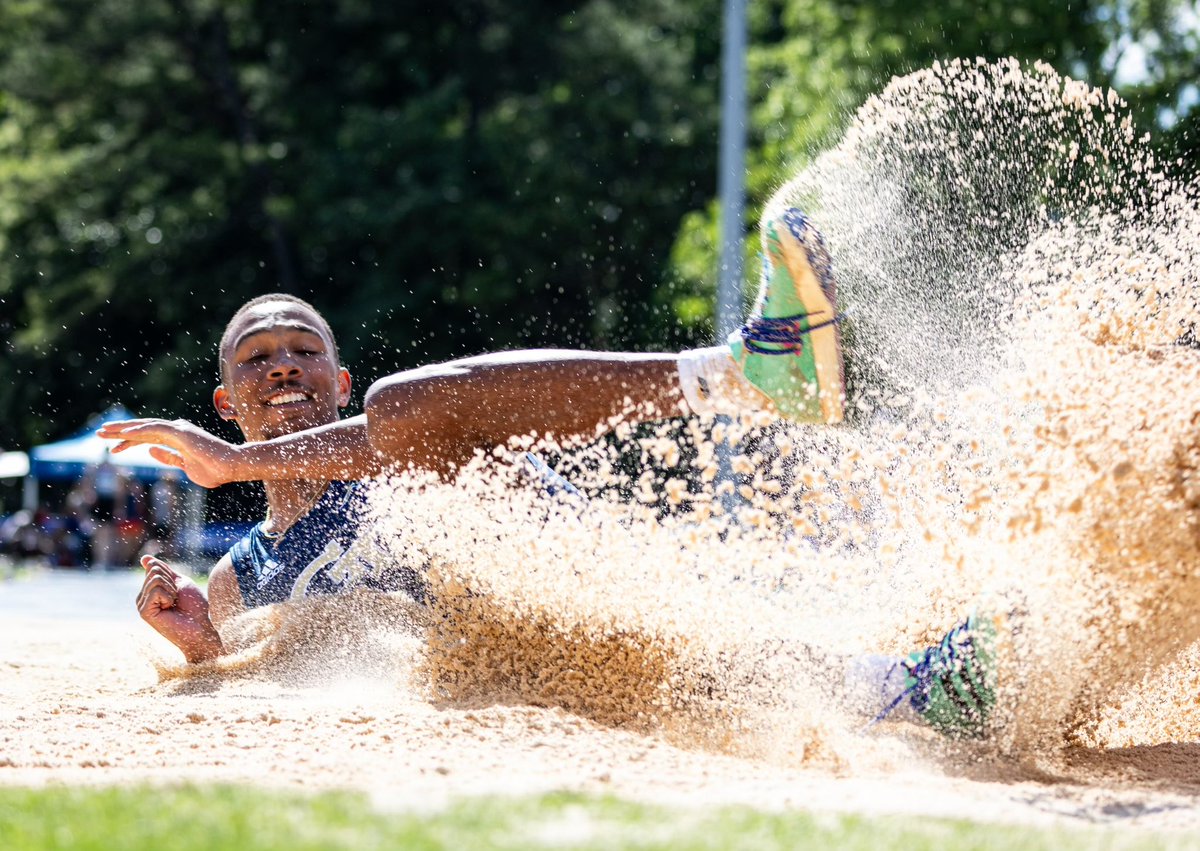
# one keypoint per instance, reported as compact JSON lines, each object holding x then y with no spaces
{"x":790,"y":348}
{"x":952,"y":685}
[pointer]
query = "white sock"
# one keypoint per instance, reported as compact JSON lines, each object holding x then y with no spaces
{"x":713,"y":384}
{"x":872,"y":684}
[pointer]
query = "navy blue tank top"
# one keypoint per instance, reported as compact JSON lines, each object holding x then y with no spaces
{"x":329,"y":550}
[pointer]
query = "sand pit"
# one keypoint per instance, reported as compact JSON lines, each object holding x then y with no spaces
{"x":82,"y":704}
{"x":1023,"y":439}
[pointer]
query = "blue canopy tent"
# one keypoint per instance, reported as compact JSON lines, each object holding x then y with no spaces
{"x":69,"y":459}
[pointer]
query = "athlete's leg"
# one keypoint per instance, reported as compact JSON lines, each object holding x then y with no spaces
{"x":950,"y":686}
{"x":786,"y":361}
{"x":441,"y":414}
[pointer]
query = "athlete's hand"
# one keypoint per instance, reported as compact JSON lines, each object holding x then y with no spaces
{"x":207,"y":460}
{"x":176,"y":607}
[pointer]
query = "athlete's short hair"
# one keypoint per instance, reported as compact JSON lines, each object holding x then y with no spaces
{"x":262,"y":299}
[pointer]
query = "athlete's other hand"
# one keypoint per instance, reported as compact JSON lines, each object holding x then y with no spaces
{"x":176,"y":607}
{"x":207,"y":460}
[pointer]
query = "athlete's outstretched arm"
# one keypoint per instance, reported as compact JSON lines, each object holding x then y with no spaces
{"x":339,"y":450}
{"x":433,"y":418}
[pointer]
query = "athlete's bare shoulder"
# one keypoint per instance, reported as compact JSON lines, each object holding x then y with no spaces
{"x":224,"y":594}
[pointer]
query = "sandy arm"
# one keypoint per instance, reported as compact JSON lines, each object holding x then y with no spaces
{"x":432,"y":418}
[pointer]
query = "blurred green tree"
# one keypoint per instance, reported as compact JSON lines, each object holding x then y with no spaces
{"x":441,"y":179}
{"x":1153,"y":59}
{"x":813,"y":62}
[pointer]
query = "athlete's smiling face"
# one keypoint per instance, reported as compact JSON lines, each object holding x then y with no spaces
{"x":280,"y":372}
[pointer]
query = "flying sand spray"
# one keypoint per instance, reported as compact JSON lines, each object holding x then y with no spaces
{"x":1022,"y":437}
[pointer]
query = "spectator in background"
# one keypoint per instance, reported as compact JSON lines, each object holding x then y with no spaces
{"x":41,"y":535}
{"x":98,"y":502}
{"x":80,"y":510}
{"x":131,"y":520}
{"x":21,"y":536}
{"x":166,"y":512}
{"x":109,"y":499}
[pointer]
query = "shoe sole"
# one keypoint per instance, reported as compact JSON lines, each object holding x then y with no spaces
{"x":811,"y":270}
{"x":799,"y":251}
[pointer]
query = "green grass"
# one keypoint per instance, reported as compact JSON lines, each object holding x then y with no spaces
{"x":226,"y":817}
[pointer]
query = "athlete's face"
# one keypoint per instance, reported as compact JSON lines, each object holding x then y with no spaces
{"x":281,"y":373}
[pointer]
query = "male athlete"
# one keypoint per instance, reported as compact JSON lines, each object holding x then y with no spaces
{"x":282,"y":384}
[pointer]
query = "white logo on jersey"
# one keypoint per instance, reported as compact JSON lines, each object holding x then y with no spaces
{"x":346,"y":566}
{"x":270,"y":569}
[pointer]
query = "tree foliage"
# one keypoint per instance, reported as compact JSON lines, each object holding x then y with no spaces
{"x":440,"y":179}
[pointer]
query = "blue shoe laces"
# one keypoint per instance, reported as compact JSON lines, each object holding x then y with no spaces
{"x":944,"y":656}
{"x":785,"y":331}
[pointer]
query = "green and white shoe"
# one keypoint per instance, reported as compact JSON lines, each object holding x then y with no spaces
{"x":790,"y":348}
{"x":952,"y":685}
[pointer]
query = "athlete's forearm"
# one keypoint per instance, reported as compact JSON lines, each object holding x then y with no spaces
{"x":200,"y":642}
{"x":338,"y":451}
{"x":192,"y":632}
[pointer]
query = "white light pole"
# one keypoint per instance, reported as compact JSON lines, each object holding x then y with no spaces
{"x":731,"y":187}
{"x":731,"y":178}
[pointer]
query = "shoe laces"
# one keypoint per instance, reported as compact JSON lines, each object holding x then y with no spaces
{"x":785,"y":331}
{"x":933,"y":662}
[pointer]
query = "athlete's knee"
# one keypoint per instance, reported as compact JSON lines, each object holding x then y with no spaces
{"x":416,"y":415}
{"x":403,"y":392}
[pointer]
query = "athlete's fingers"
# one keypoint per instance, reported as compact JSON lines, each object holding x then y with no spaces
{"x":159,"y":579}
{"x":143,"y":431}
{"x":155,"y":601}
{"x":146,"y":435}
{"x":158,"y":593}
{"x":160,"y":568}
{"x":118,"y":427}
{"x":133,"y":421}
{"x":167,"y":456}
{"x":156,"y":577}
{"x":153,"y":562}
{"x":160,"y":572}
{"x":122,"y":446}
{"x":114,"y":427}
